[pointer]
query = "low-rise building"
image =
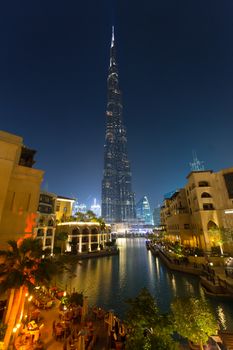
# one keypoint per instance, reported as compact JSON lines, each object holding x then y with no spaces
{"x":201,"y":214}
{"x":46,"y":221}
{"x":19,"y":188}
{"x":84,"y":236}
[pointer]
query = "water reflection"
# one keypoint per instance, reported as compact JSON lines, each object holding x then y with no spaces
{"x":109,"y":281}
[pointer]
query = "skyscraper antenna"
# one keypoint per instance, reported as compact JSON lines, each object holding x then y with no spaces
{"x":112,"y":43}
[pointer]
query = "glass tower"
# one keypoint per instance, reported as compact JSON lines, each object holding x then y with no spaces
{"x":144,"y":212}
{"x":118,"y":203}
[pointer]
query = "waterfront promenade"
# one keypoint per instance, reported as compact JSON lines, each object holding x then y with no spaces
{"x":213,"y":278}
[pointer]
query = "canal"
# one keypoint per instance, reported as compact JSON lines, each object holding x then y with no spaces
{"x":109,"y":281}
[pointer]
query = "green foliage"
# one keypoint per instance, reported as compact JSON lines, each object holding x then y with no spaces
{"x":149,"y":329}
{"x":65,"y":300}
{"x":177,"y":248}
{"x":193,"y":319}
{"x":61,"y":236}
{"x":23,"y":266}
{"x":76,"y":298}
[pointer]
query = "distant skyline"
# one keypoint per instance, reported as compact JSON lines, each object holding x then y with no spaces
{"x":176,"y":75}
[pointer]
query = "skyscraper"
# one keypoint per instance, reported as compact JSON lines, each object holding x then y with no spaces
{"x":144,"y":212}
{"x":117,"y":197}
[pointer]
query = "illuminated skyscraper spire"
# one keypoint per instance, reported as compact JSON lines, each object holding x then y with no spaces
{"x":117,"y":196}
{"x":112,"y":43}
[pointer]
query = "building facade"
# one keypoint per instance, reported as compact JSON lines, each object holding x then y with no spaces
{"x":118,"y":203}
{"x":19,"y":188}
{"x":144,"y":212}
{"x":64,"y":208}
{"x":201,"y":214}
{"x":46,"y":221}
{"x":84,"y":237}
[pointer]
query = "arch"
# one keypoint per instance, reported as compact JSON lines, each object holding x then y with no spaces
{"x":212,"y":225}
{"x":94,"y":231}
{"x":75,"y":232}
{"x":51,"y":222}
{"x":205,"y":195}
{"x":85,"y":231}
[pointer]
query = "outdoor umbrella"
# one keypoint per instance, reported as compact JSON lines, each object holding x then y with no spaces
{"x":84,"y":309}
{"x":81,"y":340}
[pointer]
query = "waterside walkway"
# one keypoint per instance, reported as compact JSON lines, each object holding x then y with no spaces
{"x":212,"y":278}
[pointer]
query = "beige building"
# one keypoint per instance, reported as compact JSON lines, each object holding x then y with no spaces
{"x":201,"y":214}
{"x":19,"y":188}
{"x":84,"y":236}
{"x":64,"y":206}
{"x":46,"y":221}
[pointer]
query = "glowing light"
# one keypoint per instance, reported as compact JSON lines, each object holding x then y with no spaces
{"x":64,"y":294}
{"x":112,"y":43}
{"x":81,"y":223}
{"x":221,"y":316}
{"x":30,"y":222}
{"x":14,"y":330}
{"x":65,"y":200}
{"x":228,"y":211}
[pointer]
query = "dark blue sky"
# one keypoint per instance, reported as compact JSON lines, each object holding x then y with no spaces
{"x":176,"y":75}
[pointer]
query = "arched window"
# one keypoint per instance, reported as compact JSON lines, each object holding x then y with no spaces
{"x":212,"y":226}
{"x":85,"y":231}
{"x":206,"y":195}
{"x":203,"y":184}
{"x":51,"y":222}
{"x":75,"y":232}
{"x":94,"y":231}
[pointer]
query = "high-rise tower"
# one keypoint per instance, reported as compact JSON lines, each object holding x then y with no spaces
{"x":117,"y":197}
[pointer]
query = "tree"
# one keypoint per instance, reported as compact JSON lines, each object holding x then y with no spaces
{"x":21,"y":269}
{"x":148,"y":328}
{"x":90,"y":215}
{"x":61,"y":238}
{"x":216,"y":237}
{"x":193,"y":319}
{"x":80,"y":216}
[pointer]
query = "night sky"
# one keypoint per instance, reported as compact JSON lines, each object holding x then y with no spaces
{"x":176,"y":75}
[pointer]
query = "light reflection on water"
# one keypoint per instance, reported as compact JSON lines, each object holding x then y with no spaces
{"x":109,"y":281}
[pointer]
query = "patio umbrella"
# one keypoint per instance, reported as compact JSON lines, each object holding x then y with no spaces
{"x":84,"y":309}
{"x":110,"y":321}
{"x":81,"y":341}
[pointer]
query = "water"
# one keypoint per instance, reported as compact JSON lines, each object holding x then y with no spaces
{"x":109,"y":281}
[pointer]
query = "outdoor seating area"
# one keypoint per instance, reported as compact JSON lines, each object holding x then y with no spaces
{"x":29,"y":337}
{"x":67,"y":326}
{"x":42,"y":298}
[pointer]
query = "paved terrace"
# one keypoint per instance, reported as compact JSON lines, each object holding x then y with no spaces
{"x":50,"y":343}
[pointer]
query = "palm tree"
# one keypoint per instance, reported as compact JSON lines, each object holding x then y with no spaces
{"x":61,"y":238}
{"x":21,"y":269}
{"x":80,"y":216}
